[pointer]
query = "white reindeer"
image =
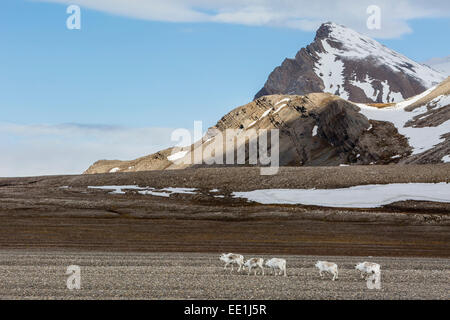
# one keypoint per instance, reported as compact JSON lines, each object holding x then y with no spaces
{"x":276,"y":263}
{"x":368,"y":268}
{"x":330,"y":267}
{"x":254,"y":263}
{"x":231,"y":258}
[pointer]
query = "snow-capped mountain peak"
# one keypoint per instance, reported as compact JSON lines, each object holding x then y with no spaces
{"x":353,"y":66}
{"x":356,"y":46}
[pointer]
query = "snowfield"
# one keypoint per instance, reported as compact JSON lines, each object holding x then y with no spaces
{"x":361,"y":47}
{"x":365,"y":196}
{"x":368,"y":196}
{"x":330,"y":70}
{"x":367,"y":87}
{"x":420,"y":139}
{"x":330,"y":66}
{"x":440,"y":102}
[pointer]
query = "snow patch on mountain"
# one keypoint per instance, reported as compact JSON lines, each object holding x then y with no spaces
{"x":353,"y":66}
{"x":177,"y":156}
{"x":265,"y":114}
{"x":283,"y":100}
{"x":279,"y":108}
{"x":358,"y":46}
{"x":252,"y":124}
{"x":367,"y":87}
{"x":390,"y":96}
{"x":414,"y":99}
{"x":420,"y":139}
{"x":331,"y":71}
{"x":331,"y":64}
{"x":440,"y":102}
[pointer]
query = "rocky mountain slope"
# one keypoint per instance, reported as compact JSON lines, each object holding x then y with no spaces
{"x":355,"y":67}
{"x":321,"y":129}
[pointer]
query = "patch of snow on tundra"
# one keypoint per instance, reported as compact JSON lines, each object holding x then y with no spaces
{"x":154,"y":193}
{"x":180,"y":190}
{"x":314,"y":131}
{"x":446,"y":159}
{"x":116,"y":189}
{"x":367,"y":196}
{"x":166,"y":192}
{"x":114,"y":170}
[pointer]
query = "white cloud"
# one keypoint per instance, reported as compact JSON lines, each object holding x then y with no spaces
{"x":31,"y":150}
{"x":300,"y":14}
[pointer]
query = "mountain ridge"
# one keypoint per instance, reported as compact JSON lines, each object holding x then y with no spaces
{"x":353,"y":111}
{"x":353,"y":66}
{"x":321,"y":129}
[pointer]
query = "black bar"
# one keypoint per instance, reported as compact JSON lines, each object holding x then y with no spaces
{"x":238,"y":309}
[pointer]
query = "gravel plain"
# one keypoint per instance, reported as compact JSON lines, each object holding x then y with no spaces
{"x":132,"y":246}
{"x":41,"y":275}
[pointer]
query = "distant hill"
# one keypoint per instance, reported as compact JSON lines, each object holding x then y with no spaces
{"x":321,"y":129}
{"x":440,"y":64}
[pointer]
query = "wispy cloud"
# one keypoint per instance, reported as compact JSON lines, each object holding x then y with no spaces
{"x":300,"y":14}
{"x":30,"y":150}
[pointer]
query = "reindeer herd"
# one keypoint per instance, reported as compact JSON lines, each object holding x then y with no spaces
{"x":278,"y":266}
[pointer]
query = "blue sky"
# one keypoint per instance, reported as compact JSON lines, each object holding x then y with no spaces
{"x":128,"y":71}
